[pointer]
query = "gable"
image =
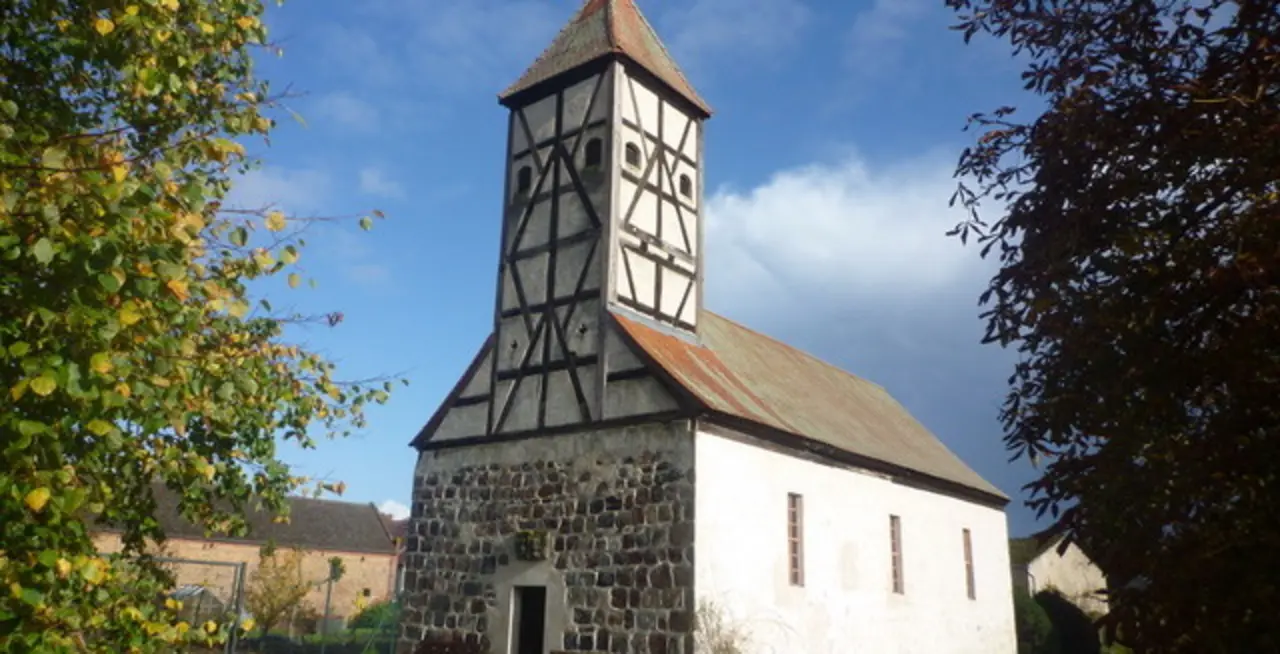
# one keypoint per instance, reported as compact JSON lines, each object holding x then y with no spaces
{"x":631,"y":390}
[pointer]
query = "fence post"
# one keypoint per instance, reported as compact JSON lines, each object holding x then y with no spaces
{"x":237,"y":602}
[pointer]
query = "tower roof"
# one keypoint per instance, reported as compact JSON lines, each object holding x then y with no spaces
{"x":599,"y":29}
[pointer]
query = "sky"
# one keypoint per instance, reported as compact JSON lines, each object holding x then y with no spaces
{"x":829,"y":159}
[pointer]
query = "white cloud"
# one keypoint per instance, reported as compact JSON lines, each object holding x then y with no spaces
{"x":880,"y":34}
{"x":839,"y":231}
{"x":299,"y":191}
{"x":373,"y":181}
{"x":348,"y":111}
{"x":705,"y":28}
{"x":396,"y":510}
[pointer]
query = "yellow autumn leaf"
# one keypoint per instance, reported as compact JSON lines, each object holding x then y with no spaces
{"x":171,"y":5}
{"x":238,"y":309}
{"x":205,"y":27}
{"x":276,"y":221}
{"x":294,"y":280}
{"x":123,"y":389}
{"x":99,"y":427}
{"x":248,"y":624}
{"x":132,"y":10}
{"x":104,"y":26}
{"x":129,"y":314}
{"x":208,"y":472}
{"x":246,"y":22}
{"x":211,"y":626}
{"x":63,"y":567}
{"x":37,"y":499}
{"x":179,"y":289}
{"x":100,"y":363}
{"x":92,"y":572}
{"x":43,"y":386}
{"x":119,"y":172}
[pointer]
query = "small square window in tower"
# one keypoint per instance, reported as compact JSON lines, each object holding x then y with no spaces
{"x":594,"y":154}
{"x":632,"y":155}
{"x":524,"y":180}
{"x":530,"y":612}
{"x":686,"y":186}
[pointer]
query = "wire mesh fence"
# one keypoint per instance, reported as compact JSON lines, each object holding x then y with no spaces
{"x":326,"y":616}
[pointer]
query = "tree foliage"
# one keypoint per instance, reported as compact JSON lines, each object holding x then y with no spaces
{"x":277,"y":587}
{"x":131,"y":349}
{"x":1035,"y":630}
{"x":1138,"y":238}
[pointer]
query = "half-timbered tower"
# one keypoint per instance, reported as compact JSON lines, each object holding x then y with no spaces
{"x":616,"y":457}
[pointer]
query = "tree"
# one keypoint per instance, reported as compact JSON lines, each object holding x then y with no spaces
{"x":1139,"y":270}
{"x":276,"y":588}
{"x":1035,"y":631}
{"x":132,"y":350}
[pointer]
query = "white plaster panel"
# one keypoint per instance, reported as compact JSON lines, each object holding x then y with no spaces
{"x":537,"y":226}
{"x":581,"y":329}
{"x":576,"y":263}
{"x":690,"y":312}
{"x":846,"y":604}
{"x":648,"y":103}
{"x":644,"y":216}
{"x":574,"y":218}
{"x":673,"y":123}
{"x":636,"y":397}
{"x":644,"y":277}
{"x":541,"y":116}
{"x":619,"y":354}
{"x":674,"y":286}
{"x":533,"y":278}
{"x":463,"y":422}
{"x":577,"y":100}
{"x":517,"y":141}
{"x":513,"y":341}
{"x":479,"y":382}
{"x":562,"y":399}
{"x":525,"y":398}
{"x":626,"y":99}
{"x":673,"y":235}
{"x":604,"y":104}
{"x":691,"y":143}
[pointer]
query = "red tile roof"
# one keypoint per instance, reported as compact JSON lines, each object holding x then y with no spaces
{"x":602,"y":28}
{"x":741,"y":373}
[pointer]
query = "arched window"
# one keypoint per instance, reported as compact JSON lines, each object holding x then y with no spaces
{"x":686,"y":186}
{"x":595,"y":153}
{"x":524,"y":179}
{"x":633,"y":155}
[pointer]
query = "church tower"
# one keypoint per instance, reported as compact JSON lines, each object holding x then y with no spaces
{"x":602,"y":212}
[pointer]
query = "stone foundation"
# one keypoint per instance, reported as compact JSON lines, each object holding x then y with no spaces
{"x":617,"y":509}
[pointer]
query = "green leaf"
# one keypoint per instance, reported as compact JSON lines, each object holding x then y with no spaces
{"x":109,"y":282}
{"x":366,"y":223}
{"x":99,"y":427}
{"x":54,"y":158}
{"x":9,"y":108}
{"x":239,"y":236}
{"x":19,"y":349}
{"x":43,"y":385}
{"x":48,"y":558}
{"x":42,"y":251}
{"x":31,"y":428}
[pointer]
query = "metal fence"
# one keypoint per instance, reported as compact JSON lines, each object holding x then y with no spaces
{"x":322,"y":623}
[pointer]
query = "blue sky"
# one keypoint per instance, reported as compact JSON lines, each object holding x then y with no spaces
{"x":829,"y":162}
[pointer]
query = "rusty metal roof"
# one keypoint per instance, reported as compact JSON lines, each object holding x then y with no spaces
{"x":601,"y":28}
{"x":744,"y":374}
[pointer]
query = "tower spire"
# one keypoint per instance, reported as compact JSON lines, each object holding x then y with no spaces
{"x":606,"y":28}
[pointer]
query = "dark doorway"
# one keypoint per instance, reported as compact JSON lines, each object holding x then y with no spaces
{"x":531,"y":616}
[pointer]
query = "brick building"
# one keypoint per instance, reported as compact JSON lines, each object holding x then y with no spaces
{"x":356,"y":533}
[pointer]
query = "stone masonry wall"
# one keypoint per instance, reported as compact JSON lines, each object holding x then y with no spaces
{"x":617,"y":507}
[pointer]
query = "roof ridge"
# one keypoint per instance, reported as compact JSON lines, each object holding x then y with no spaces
{"x":804,"y":353}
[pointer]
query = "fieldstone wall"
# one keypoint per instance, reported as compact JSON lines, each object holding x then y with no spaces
{"x":617,"y":508}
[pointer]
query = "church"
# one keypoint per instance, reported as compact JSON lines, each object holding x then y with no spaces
{"x":620,"y":469}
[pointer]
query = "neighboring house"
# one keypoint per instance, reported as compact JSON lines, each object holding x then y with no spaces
{"x":323,"y":529}
{"x":616,"y":456}
{"x":1037,"y":566}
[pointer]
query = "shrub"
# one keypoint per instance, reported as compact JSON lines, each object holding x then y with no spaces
{"x":383,"y":616}
{"x":1035,"y":631}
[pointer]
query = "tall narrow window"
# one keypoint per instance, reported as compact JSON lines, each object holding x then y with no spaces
{"x":686,"y":186}
{"x":795,"y":538}
{"x":531,"y":616}
{"x":968,"y":566}
{"x":524,"y":179}
{"x":633,"y":155}
{"x":895,"y":544}
{"x":594,"y":154}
